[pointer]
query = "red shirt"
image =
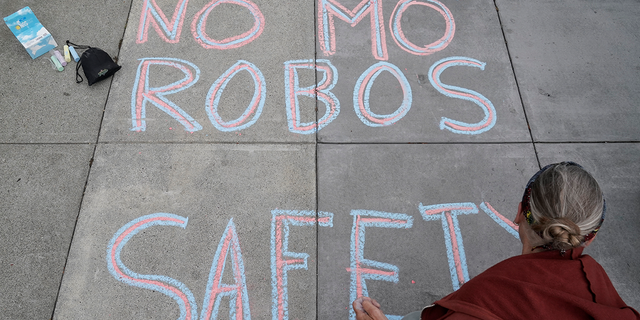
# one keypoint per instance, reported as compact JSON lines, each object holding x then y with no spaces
{"x":544,"y":285}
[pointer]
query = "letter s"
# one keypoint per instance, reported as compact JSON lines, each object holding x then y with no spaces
{"x":461,"y":93}
{"x":168,"y":286}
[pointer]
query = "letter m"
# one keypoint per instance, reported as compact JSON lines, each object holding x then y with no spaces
{"x":169,"y":31}
{"x":327,"y":9}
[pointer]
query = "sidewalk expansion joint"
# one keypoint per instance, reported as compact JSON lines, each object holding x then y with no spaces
{"x":206,"y":142}
{"x":515,"y":78}
{"x":86,"y":182}
{"x":426,"y":143}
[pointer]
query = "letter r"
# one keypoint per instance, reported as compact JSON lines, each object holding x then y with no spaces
{"x":143,"y":93}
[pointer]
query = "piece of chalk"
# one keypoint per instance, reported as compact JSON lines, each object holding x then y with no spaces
{"x":76,"y":58}
{"x":358,"y":304}
{"x":60,"y":58}
{"x":55,"y":61}
{"x":67,"y":56}
{"x":53,"y":65}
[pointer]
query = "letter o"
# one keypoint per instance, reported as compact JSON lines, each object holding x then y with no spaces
{"x":406,"y":45}
{"x":255,"y":107}
{"x":363,"y":88}
{"x":199,"y":24}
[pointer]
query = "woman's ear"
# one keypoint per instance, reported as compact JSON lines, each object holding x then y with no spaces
{"x":589,"y":242}
{"x":519,"y":216}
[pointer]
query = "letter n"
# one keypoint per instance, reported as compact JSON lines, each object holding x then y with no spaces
{"x":169,"y":31}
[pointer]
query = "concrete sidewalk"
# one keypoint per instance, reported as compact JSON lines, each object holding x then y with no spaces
{"x":212,"y":126}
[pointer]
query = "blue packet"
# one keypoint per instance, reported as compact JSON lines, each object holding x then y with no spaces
{"x":30,"y":32}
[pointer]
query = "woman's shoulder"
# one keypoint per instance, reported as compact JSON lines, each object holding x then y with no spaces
{"x":547,"y":262}
{"x":577,"y":279}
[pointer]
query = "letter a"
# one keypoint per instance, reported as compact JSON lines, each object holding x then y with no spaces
{"x":237,"y":292}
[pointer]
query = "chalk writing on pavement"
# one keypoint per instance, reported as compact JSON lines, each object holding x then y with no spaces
{"x":169,"y":30}
{"x":236,"y":294}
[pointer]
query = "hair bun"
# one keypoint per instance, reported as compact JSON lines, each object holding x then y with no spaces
{"x":563,"y":233}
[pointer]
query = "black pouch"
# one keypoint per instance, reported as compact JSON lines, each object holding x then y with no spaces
{"x":96,"y":63}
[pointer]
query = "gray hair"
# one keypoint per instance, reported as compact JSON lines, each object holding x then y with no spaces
{"x":567,"y":204}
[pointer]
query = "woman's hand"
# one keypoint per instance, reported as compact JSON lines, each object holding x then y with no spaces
{"x":368,"y":309}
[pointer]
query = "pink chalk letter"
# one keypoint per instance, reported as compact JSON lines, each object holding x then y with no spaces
{"x":321,"y":91}
{"x":199,"y":26}
{"x":362,"y":269}
{"x":501,"y":220}
{"x":282,"y":260}
{"x":142,"y":93}
{"x":362,"y":91}
{"x":169,"y":31}
{"x":465,"y":94}
{"x":328,"y":9}
{"x":252,"y":112}
{"x":163,"y":284}
{"x":448,"y":213}
{"x":216,"y":290}
{"x":408,"y":46}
